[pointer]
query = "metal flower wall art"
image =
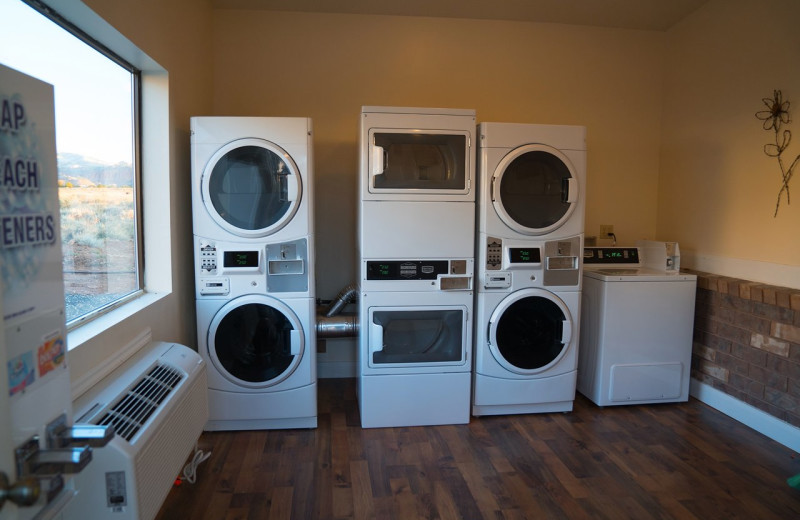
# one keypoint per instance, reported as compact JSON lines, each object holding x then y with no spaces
{"x":775,"y":116}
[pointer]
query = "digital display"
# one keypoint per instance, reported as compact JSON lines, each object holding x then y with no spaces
{"x":240,"y":259}
{"x":525,"y":255}
{"x":610,"y":255}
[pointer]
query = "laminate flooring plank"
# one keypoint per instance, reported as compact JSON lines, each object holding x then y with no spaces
{"x":483,"y":496}
{"x":404,"y":503}
{"x":281,"y":503}
{"x":251,"y":471}
{"x":363,"y":504}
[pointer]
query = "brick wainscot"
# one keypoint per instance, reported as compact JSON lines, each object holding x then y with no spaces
{"x":747,"y":343}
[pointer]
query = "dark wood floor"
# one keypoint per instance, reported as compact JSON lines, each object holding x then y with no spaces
{"x":664,"y":461}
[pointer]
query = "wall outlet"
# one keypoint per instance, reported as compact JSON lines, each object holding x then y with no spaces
{"x":606,"y":230}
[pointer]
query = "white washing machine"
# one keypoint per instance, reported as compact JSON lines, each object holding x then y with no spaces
{"x":261,"y":355}
{"x":637,"y":326}
{"x":252,"y":178}
{"x":532,"y":180}
{"x":527,"y":321}
{"x":252,"y":213}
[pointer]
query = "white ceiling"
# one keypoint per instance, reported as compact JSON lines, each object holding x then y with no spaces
{"x":653,"y":15}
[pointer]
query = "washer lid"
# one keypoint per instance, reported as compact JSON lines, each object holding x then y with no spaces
{"x":251,"y":187}
{"x":641,"y":274}
{"x":255,"y":341}
{"x":530,"y":331}
{"x":534,"y":189}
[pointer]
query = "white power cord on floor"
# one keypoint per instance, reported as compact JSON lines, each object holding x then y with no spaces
{"x":190,"y":470}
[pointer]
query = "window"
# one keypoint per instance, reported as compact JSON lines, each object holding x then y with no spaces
{"x":96,"y":95}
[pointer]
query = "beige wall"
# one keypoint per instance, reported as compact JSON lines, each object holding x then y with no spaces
{"x":176,"y":35}
{"x":717,"y":189}
{"x":327,"y":66}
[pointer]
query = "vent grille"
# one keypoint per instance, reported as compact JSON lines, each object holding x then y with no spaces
{"x":130,"y":413}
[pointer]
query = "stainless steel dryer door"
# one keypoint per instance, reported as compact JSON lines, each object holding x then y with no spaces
{"x":534,"y":189}
{"x":530,"y":331}
{"x":251,"y":187}
{"x":417,"y":336}
{"x":255,"y":341}
{"x":419,"y":162}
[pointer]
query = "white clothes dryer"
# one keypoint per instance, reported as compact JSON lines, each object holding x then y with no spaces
{"x":532,"y":180}
{"x":261,"y":355}
{"x":527,"y":321}
{"x":252,"y":178}
{"x":417,"y":154}
{"x":415,"y":358}
{"x":416,"y":183}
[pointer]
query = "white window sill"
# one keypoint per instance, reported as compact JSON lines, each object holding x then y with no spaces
{"x":88,"y":331}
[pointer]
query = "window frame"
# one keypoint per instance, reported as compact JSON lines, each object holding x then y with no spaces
{"x":136,"y":106}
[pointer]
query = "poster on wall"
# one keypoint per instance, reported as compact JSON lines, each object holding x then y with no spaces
{"x":30,"y":244}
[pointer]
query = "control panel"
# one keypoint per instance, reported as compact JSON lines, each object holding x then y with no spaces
{"x":611,"y":255}
{"x":510,"y":263}
{"x":511,"y":256}
{"x":437,"y":274}
{"x":494,"y":254}
{"x":406,"y":269}
{"x":225,"y":268}
{"x":208,"y":259}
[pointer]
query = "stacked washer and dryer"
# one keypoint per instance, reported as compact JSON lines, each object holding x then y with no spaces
{"x":529,"y":248}
{"x":416,"y":258}
{"x":252,"y":210}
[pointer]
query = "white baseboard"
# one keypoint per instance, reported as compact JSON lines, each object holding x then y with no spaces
{"x":751,"y":416}
{"x":336,"y":369}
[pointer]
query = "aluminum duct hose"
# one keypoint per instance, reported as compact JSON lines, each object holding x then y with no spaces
{"x":345,"y":296}
{"x":331,"y":323}
{"x":341,"y":326}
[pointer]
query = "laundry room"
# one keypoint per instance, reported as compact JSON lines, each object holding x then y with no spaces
{"x":672,"y":149}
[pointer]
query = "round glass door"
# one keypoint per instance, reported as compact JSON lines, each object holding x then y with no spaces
{"x":255,"y":341}
{"x":530,"y":331}
{"x":251,"y":187}
{"x":534,"y":189}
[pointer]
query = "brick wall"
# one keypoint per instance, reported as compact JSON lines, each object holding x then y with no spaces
{"x":747,"y":343}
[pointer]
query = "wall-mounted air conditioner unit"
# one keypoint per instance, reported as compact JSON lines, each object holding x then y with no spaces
{"x":158,"y":404}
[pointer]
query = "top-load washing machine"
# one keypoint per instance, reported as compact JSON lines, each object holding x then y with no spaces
{"x":532,"y":180}
{"x":251,"y":178}
{"x":636,"y":325}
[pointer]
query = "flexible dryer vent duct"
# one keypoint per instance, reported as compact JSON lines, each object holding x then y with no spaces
{"x":345,"y":296}
{"x":333,"y":324}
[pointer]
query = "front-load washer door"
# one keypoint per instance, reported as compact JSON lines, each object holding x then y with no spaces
{"x":534,"y":189}
{"x":419,"y":162}
{"x":530,"y":331}
{"x":251,"y":187}
{"x":255,"y":341}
